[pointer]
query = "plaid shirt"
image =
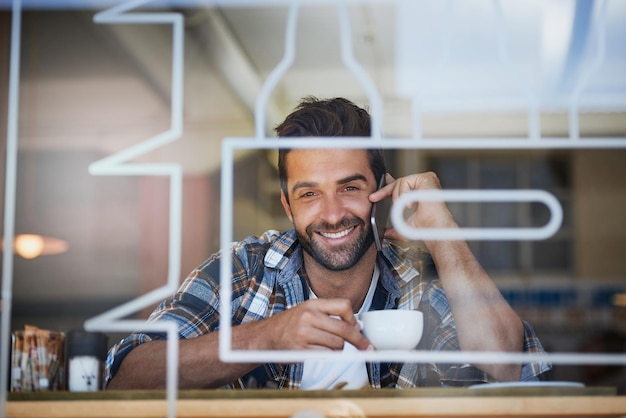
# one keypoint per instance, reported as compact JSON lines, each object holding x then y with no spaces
{"x":268,"y":278}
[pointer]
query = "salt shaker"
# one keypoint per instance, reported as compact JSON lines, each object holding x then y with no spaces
{"x":86,"y":352}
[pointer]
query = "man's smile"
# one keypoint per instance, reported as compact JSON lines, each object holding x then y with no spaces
{"x":336,"y":246}
{"x":335,"y":235}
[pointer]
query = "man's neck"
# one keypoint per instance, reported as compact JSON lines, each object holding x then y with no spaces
{"x":349,"y":284}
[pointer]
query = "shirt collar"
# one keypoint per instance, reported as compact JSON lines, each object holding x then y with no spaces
{"x":281,"y":249}
{"x":286,"y":244}
{"x":405,"y":269}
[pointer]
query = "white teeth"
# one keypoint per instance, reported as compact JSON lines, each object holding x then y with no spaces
{"x":336,"y":234}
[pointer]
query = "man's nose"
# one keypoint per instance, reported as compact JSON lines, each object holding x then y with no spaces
{"x":332,"y":209}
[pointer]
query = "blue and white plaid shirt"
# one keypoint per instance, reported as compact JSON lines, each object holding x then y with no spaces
{"x":268,"y":278}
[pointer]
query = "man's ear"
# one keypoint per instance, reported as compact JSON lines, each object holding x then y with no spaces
{"x":286,"y":207}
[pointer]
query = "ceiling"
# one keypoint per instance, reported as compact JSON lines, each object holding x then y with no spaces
{"x":451,"y":56}
{"x":448,"y":53}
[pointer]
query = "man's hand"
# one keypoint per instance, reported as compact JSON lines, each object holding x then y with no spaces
{"x":427,"y":214}
{"x":314,"y":324}
{"x":322,"y":324}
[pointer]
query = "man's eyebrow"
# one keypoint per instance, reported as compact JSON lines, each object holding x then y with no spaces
{"x":305,"y":184}
{"x":302,"y":185}
{"x":353,"y":177}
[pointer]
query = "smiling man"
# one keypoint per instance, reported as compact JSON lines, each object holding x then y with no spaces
{"x":301,"y":289}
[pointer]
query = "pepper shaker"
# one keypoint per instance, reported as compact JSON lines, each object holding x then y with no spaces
{"x":86,"y":352}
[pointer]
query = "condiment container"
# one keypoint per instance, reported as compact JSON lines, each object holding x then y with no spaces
{"x":86,"y":353}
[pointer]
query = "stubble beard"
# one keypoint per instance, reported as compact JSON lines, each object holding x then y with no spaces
{"x":336,"y":258}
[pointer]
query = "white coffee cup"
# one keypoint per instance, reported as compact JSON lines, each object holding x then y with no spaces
{"x":393,"y":329}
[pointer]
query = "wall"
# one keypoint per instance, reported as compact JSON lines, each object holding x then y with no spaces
{"x":600,"y":213}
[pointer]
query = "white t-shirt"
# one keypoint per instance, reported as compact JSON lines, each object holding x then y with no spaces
{"x":327,"y":374}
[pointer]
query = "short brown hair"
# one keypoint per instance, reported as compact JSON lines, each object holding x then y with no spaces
{"x":328,"y":117}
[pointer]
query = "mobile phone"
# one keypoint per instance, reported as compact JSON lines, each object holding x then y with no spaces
{"x":380,"y":215}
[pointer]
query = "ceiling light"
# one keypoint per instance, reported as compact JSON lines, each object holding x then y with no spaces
{"x":30,"y":246}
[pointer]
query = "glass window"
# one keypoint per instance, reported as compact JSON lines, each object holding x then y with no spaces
{"x":544,"y":172}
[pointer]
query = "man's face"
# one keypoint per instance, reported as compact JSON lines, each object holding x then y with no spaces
{"x":329,"y":205}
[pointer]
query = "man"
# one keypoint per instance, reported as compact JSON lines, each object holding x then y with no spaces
{"x":300,"y":289}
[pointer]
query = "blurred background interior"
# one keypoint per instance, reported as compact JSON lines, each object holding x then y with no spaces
{"x":88,"y":90}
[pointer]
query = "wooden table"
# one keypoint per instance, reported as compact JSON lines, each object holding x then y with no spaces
{"x":425,"y":402}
